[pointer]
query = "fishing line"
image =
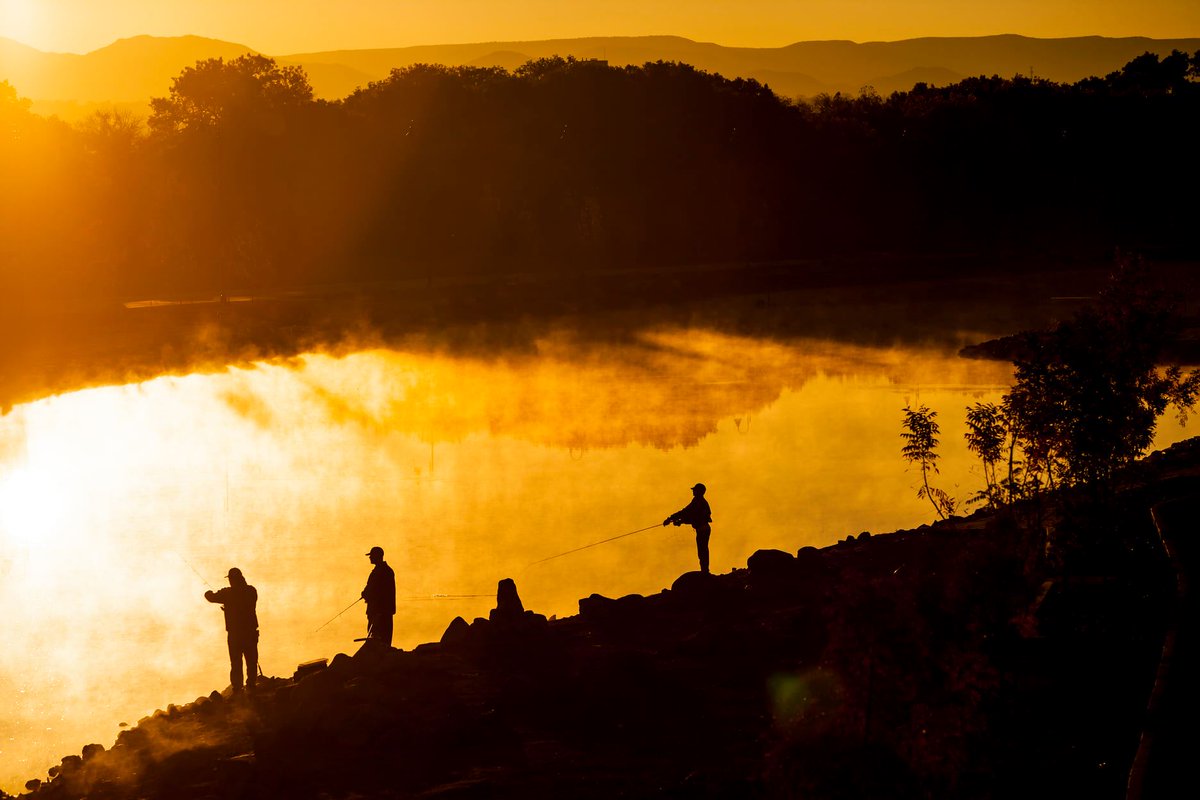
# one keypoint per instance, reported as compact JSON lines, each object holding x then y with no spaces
{"x":405,"y":599}
{"x":193,"y":569}
{"x":338,"y":614}
{"x":593,"y":544}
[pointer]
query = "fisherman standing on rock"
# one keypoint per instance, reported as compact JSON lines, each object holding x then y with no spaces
{"x":699,"y":516}
{"x":239,"y":601}
{"x":380,"y":594}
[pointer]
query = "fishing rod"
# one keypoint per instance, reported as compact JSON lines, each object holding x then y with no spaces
{"x":193,"y":569}
{"x":405,"y":599}
{"x":593,"y":544}
{"x":338,"y":614}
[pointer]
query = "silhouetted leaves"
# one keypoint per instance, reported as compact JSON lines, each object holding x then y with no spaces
{"x":1086,"y":397}
{"x":1089,"y":393}
{"x":565,"y":165}
{"x":215,"y":91}
{"x":920,"y":432}
{"x":987,"y":436}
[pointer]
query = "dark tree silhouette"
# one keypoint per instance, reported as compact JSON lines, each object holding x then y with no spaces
{"x":1087,"y":395}
{"x":920,"y":432}
{"x":568,"y":166}
{"x":216,"y":91}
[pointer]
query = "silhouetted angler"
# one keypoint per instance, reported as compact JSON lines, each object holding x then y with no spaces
{"x":699,"y":516}
{"x":380,"y":595}
{"x":239,"y":601}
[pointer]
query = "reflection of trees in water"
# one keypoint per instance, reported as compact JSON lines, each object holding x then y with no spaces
{"x":670,"y":390}
{"x":578,"y":407}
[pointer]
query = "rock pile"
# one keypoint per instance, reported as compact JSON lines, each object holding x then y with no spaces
{"x":925,"y":663}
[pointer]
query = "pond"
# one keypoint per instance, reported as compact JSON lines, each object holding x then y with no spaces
{"x":120,"y":505}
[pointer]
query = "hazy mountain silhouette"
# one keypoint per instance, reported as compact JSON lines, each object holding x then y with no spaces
{"x":790,"y":84}
{"x":135,"y":69}
{"x":831,"y":65}
{"x":11,"y":51}
{"x":903,"y":82}
{"x":508,"y":59}
{"x":127,"y":69}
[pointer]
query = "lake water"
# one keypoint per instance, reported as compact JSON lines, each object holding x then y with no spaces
{"x":119,"y":504}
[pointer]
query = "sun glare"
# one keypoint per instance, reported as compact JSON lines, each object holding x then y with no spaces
{"x":18,"y":19}
{"x":31,"y":507}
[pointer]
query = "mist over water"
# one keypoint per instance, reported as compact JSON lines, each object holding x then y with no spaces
{"x":118,"y":505}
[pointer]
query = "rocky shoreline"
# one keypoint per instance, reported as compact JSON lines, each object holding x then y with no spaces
{"x":1010,"y":652}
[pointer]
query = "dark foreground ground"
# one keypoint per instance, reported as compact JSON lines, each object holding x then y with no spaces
{"x":1008,"y":654}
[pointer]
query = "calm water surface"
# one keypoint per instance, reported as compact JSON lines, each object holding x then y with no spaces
{"x":118,"y":504}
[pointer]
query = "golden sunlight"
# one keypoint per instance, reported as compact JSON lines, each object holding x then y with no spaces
{"x":20,"y":20}
{"x":121,"y":505}
{"x":279,"y":27}
{"x":485,"y":286}
{"x":31,"y":509}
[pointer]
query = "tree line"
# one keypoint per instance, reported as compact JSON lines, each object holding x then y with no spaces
{"x":239,"y":179}
{"x":1085,"y":402}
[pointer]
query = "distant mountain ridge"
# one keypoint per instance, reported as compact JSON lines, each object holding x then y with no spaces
{"x":130,"y":71}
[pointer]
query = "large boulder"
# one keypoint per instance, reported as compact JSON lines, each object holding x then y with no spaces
{"x":458,"y":632}
{"x":809,"y":559}
{"x":508,"y":603}
{"x":597,"y":607}
{"x":771,"y":565}
{"x":341,"y":663}
{"x":695,"y":584}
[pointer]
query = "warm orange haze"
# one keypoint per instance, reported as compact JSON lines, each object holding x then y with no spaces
{"x":288,"y":26}
{"x":465,"y":470}
{"x":906,"y":292}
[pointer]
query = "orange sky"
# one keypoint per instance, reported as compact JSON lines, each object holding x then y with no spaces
{"x":290,"y":26}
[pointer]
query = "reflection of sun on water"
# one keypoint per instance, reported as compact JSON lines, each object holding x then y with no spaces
{"x":465,"y":470}
{"x":32,"y":509}
{"x":74,"y":459}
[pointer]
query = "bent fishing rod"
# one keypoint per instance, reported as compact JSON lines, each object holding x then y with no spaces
{"x":593,"y":544}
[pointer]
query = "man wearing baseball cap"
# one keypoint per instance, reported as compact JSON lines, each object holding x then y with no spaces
{"x":239,"y":601}
{"x":380,"y":594}
{"x":699,"y":516}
